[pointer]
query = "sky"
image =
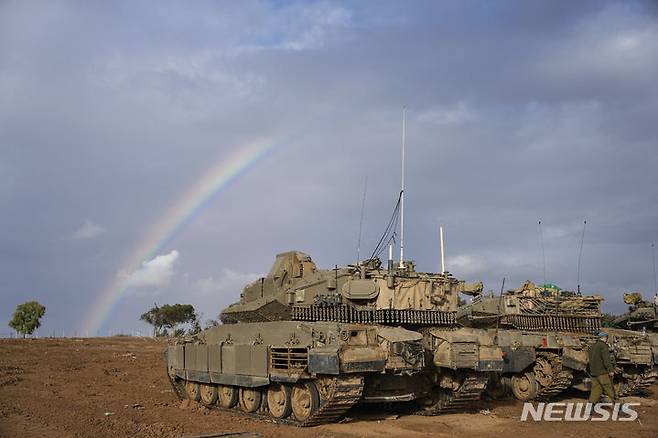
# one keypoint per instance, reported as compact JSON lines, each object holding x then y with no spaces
{"x":129,"y":175}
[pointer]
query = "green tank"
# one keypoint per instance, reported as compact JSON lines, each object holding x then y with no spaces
{"x":298,"y":373}
{"x":264,"y":363}
{"x":642,"y":317}
{"x":539,"y":330}
{"x":635,"y":366}
{"x":458,"y":360}
{"x":545,"y":334}
{"x":641,"y":314}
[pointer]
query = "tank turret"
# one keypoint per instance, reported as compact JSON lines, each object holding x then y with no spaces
{"x":365,"y":293}
{"x":641,"y":314}
{"x":534,"y":308}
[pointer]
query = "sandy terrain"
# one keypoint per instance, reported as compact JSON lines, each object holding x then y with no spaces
{"x":117,"y":387}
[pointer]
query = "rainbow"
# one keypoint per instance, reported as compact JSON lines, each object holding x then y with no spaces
{"x":181,"y":213}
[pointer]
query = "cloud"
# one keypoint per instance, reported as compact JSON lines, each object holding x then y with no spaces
{"x":89,"y":230}
{"x":153,"y":273}
{"x":448,"y":115}
{"x":466,"y":264}
{"x":228,"y":284}
{"x":517,"y":112}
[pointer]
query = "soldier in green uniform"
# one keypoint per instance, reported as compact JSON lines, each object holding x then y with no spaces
{"x":601,"y":369}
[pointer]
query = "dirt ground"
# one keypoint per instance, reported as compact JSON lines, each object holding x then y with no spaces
{"x":117,"y":387}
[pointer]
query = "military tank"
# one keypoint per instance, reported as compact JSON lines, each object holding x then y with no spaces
{"x":263,"y":362}
{"x":635,"y":367}
{"x":298,"y":373}
{"x":641,"y":314}
{"x":458,"y":360}
{"x":538,"y":330}
{"x":545,"y":333}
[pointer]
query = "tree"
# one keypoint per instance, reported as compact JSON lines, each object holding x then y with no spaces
{"x":27,"y":317}
{"x":169,"y":316}
{"x":154,"y":317}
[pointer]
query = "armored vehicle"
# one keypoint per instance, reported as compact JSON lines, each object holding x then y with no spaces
{"x":545,"y":333}
{"x":641,"y":314}
{"x":538,"y":330}
{"x":635,"y":368}
{"x":458,"y":360}
{"x":295,"y":372}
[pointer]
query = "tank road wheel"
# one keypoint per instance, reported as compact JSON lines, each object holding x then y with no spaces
{"x":227,"y":395}
{"x":208,"y":394}
{"x":305,"y":400}
{"x":250,"y":399}
{"x":524,"y":386}
{"x":192,"y":391}
{"x":278,"y":400}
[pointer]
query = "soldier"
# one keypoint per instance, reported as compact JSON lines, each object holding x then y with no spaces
{"x":601,"y":370}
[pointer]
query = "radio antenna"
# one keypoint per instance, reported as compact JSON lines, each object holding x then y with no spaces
{"x":580,"y":252}
{"x":543,"y":251}
{"x":443,"y":265}
{"x":363,"y":205}
{"x":404,"y":139}
{"x":653,"y":258}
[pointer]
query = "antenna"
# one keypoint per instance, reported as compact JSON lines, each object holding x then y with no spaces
{"x":580,"y":252}
{"x":653,"y":257}
{"x":404,"y":139}
{"x":543,"y":251}
{"x":363,"y":205}
{"x":443,"y":266}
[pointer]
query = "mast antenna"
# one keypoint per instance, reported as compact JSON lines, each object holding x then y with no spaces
{"x":443,"y":265}
{"x":580,"y":252}
{"x":653,"y":257}
{"x":404,"y":139}
{"x":363,"y":205}
{"x":543,"y":251}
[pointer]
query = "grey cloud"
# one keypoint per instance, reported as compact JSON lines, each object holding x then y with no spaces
{"x":517,"y":112}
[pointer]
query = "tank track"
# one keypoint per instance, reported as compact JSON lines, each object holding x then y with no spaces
{"x":640,"y":384}
{"x":344,"y":394}
{"x":469,"y":392}
{"x":559,"y":381}
{"x":573,"y":323}
{"x":348,"y":314}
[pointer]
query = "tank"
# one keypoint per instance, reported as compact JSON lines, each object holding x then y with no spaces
{"x":641,"y":314}
{"x":298,"y":373}
{"x":539,"y":331}
{"x":263,"y":361}
{"x":642,"y":317}
{"x":535,"y":308}
{"x":545,"y":334}
{"x":458,"y":360}
{"x":635,"y":366}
